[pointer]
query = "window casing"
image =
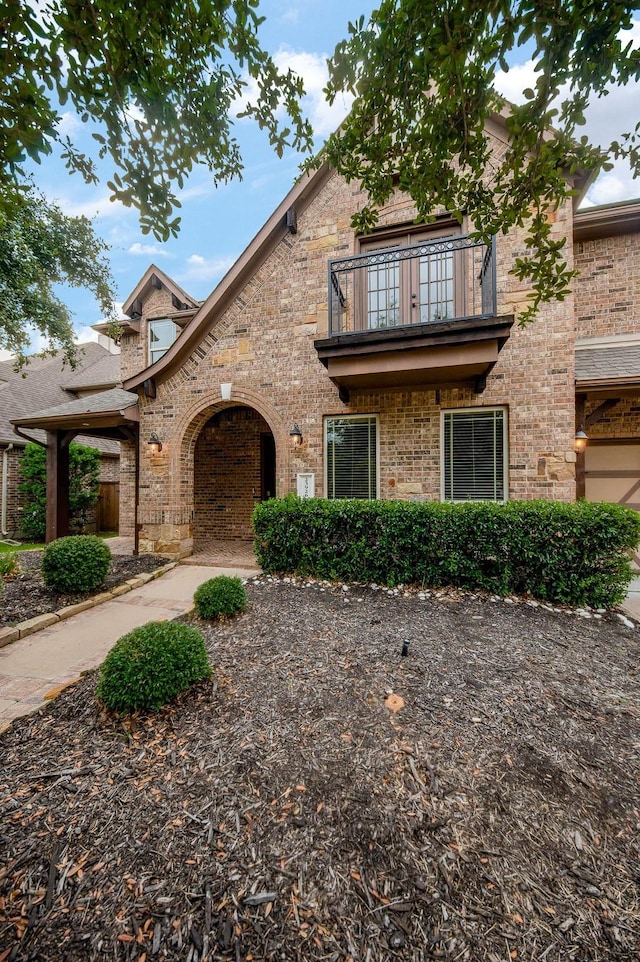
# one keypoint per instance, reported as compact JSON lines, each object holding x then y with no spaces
{"x":474,"y":454}
{"x":351,"y":456}
{"x":162,"y":334}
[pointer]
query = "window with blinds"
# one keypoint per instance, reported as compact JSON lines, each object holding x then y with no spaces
{"x":474,"y":445}
{"x":351,"y":456}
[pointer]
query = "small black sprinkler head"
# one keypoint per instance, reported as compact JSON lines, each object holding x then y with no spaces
{"x":405,"y":648}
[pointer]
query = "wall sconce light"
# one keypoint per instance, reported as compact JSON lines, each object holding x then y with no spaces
{"x":296,"y":436}
{"x":225,"y":392}
{"x":155,"y":444}
{"x":580,"y":440}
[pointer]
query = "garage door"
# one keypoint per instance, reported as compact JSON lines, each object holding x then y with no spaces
{"x":612,"y":473}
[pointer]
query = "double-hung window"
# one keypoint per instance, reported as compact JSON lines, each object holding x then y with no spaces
{"x":474,"y":454}
{"x":351,"y":456}
{"x":162,"y":334}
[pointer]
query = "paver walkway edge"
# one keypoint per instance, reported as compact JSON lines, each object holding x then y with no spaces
{"x":37,"y":666}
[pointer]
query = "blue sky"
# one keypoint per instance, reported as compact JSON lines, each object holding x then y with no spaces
{"x":218,"y":223}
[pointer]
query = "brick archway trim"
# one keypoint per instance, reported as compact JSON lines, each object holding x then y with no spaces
{"x":194,"y":418}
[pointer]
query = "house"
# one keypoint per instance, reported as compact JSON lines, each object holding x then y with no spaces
{"x":386,"y":366}
{"x":45,"y":382}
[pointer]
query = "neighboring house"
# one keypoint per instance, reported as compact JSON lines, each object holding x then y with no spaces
{"x":45,"y":382}
{"x":386,"y":366}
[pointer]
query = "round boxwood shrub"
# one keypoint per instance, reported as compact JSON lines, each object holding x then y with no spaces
{"x":220,"y":597}
{"x":75,"y":564}
{"x":150,"y":665}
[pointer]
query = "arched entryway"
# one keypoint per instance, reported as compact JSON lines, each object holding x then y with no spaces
{"x":234,"y":468}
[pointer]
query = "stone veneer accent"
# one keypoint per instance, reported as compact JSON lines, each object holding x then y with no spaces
{"x":263,"y":344}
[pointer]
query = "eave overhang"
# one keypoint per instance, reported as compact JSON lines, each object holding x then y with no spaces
{"x":233,"y":282}
{"x":112,"y":414}
{"x":453,"y":352}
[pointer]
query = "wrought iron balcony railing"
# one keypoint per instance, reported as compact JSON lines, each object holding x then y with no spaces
{"x":446,"y":279}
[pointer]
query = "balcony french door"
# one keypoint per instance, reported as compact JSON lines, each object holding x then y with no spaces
{"x":416,"y":290}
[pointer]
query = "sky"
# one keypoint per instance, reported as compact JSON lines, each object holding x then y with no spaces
{"x":219,"y":222}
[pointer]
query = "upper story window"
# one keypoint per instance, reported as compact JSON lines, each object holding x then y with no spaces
{"x":351,"y":456}
{"x":474,"y":454}
{"x":162,"y":334}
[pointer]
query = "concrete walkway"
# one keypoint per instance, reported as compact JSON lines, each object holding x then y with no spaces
{"x":35,"y":668}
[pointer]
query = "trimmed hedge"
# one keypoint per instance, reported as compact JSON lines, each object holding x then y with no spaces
{"x":150,"y":665}
{"x":569,"y":553}
{"x":75,"y":564}
{"x":220,"y":597}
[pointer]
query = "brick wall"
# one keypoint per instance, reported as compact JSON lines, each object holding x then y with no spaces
{"x":227,"y":474}
{"x":263,"y":345}
{"x":607,"y":292}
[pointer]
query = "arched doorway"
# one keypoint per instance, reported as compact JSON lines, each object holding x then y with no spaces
{"x":234,"y":468}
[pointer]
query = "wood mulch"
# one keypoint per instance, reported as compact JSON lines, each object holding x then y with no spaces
{"x":26,"y":595}
{"x":326,"y":798}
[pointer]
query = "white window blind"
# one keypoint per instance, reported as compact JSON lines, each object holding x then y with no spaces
{"x":162,"y":334}
{"x":473,"y":450}
{"x":351,"y":457}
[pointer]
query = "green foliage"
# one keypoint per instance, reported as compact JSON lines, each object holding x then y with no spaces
{"x":150,"y":665}
{"x":422,"y":73}
{"x":220,"y":597}
{"x":84,"y":485}
{"x":40,"y":247}
{"x":75,"y":564}
{"x":566,"y":553}
{"x":9,"y":565}
{"x":157,"y":81}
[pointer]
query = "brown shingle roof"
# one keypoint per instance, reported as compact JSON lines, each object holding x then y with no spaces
{"x":42,"y":384}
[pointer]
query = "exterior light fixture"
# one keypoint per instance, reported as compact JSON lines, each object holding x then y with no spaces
{"x":155,"y":444}
{"x":296,"y":436}
{"x":580,"y":440}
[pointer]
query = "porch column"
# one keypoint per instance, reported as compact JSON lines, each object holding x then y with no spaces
{"x":57,"y":484}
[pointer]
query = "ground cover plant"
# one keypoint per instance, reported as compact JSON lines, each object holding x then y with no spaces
{"x":327,"y":798}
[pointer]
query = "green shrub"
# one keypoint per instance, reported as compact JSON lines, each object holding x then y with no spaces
{"x":9,"y":565}
{"x":84,"y":486}
{"x":570,"y":553}
{"x":75,"y":564}
{"x":150,"y":665}
{"x":220,"y":597}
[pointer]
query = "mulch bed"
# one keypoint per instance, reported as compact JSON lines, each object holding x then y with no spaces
{"x":26,"y":595}
{"x":326,"y":798}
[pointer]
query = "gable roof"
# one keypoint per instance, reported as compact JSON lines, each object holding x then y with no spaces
{"x":43,"y":383}
{"x":260,"y":247}
{"x":247,"y":264}
{"x":154,"y":278}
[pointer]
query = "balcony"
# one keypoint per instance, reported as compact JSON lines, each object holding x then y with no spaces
{"x":424,"y":314}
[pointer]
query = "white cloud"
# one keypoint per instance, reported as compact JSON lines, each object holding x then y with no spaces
{"x":292,"y":15}
{"x":69,"y":124}
{"x":312,"y":68}
{"x":208,"y":269}
{"x":148,"y":250}
{"x":99,"y":205}
{"x":5,"y":355}
{"x":606,"y":119}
